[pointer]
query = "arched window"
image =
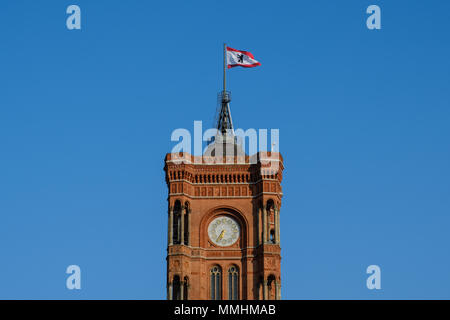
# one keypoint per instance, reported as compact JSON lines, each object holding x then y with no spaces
{"x":272,"y":236}
{"x":177,"y":223}
{"x":271,"y":283}
{"x":216,"y":283}
{"x":185,"y":288}
{"x":270,"y":220}
{"x":233,"y":283}
{"x":176,"y":288}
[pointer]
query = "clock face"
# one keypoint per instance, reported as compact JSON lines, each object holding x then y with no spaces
{"x":223,"y":231}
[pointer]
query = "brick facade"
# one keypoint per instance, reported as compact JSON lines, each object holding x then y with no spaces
{"x":250,"y":193}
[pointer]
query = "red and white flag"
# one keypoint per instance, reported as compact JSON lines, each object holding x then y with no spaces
{"x":238,"y":58}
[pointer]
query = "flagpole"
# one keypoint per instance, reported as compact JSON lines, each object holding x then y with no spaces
{"x":225,"y":96}
{"x":224,"y":67}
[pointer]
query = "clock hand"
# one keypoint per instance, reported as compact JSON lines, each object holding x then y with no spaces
{"x":221,"y":235}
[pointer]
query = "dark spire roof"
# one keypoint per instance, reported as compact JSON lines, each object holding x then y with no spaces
{"x":224,"y":121}
{"x":224,"y":143}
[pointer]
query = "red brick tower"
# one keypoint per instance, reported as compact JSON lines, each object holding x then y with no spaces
{"x":224,"y":221}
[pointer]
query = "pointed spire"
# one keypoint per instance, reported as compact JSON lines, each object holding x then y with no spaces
{"x":224,"y":142}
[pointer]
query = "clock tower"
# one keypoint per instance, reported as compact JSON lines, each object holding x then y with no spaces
{"x":224,"y":220}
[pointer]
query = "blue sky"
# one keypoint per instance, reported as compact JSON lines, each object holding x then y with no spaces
{"x":86,"y":118}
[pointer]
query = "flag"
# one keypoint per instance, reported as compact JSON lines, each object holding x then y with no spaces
{"x":238,"y":58}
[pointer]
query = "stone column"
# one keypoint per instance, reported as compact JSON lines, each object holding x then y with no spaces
{"x":278,"y":226}
{"x":265,"y":291}
{"x":170,"y":291}
{"x":188,"y":217}
{"x":264,"y":212}
{"x":275,"y":224}
{"x":278,"y":290}
{"x":181,"y":290}
{"x":183,"y":210}
{"x":170,"y":242}
{"x":258,"y":233}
